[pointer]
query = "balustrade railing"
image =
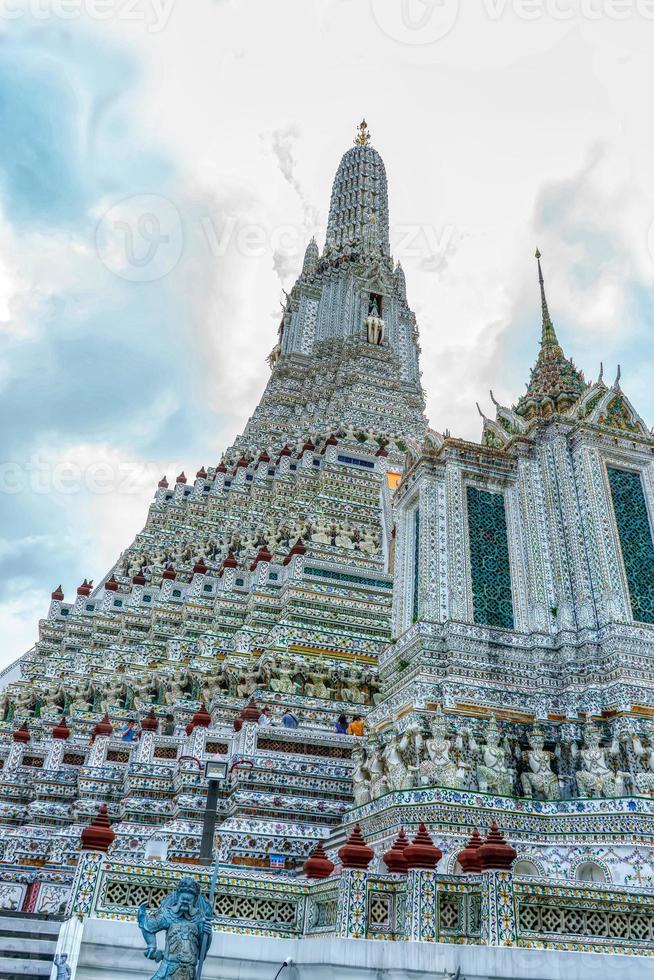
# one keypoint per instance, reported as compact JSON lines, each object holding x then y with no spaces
{"x":492,"y":909}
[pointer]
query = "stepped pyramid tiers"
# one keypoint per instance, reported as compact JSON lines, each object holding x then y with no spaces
{"x":267,"y":577}
{"x":493,"y":622}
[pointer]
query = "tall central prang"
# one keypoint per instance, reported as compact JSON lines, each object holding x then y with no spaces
{"x":267,"y":576}
{"x":346,"y":357}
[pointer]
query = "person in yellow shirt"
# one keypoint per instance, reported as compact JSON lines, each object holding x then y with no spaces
{"x":356,"y":726}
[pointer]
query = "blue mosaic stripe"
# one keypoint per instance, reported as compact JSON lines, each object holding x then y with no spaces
{"x":489,"y":559}
{"x":635,"y":533}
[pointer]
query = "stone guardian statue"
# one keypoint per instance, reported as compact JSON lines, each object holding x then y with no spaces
{"x":185,"y":917}
{"x":539,"y":780}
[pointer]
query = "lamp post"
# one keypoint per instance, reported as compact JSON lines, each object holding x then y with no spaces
{"x":215,"y":773}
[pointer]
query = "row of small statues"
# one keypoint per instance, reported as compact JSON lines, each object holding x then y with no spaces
{"x":500,"y":765}
{"x":118,"y":691}
{"x":326,"y":533}
{"x":290,"y":675}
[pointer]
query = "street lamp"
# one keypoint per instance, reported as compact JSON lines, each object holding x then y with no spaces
{"x":215,"y":773}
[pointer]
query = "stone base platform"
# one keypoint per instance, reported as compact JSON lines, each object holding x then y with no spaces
{"x":114,"y":951}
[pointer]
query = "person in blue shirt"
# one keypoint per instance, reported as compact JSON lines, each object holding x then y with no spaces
{"x":289,"y":720}
{"x":341,"y":725}
{"x":128,"y":734}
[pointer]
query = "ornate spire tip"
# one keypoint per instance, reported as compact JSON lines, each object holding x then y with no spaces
{"x":363,"y":134}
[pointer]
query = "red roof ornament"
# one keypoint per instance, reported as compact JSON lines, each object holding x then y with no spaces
{"x":58,"y":594}
{"x":318,"y":864}
{"x":221,"y":468}
{"x":284,"y":452}
{"x":495,"y":854}
{"x":22,"y":734}
{"x":331,"y":441}
{"x":394,"y":859}
{"x":201,"y":718}
{"x":299,"y":548}
{"x":242,"y":462}
{"x":308,"y":447}
{"x":469,"y":858}
{"x":85,"y":588}
{"x":111,"y":585}
{"x":103,"y":727}
{"x":264,"y":457}
{"x":61,"y":729}
{"x":200,"y":568}
{"x":228,"y":562}
{"x":181,"y":478}
{"x":150,"y":723}
{"x":169,"y":573}
{"x":139,"y":579}
{"x":201,"y":474}
{"x":356,"y":853}
{"x":381,"y":452}
{"x":263,"y":555}
{"x":249,"y":713}
{"x":98,"y":835}
{"x":163,"y":483}
{"x":422,"y":852}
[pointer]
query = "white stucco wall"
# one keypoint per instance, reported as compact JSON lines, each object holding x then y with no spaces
{"x":114,"y":951}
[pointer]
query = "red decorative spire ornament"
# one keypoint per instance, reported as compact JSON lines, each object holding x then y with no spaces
{"x":150,"y":723}
{"x":422,"y":852}
{"x":98,"y":835}
{"x":495,"y":854}
{"x":394,"y":859}
{"x":299,"y":548}
{"x":201,"y":719}
{"x":22,"y":734}
{"x":61,"y":729}
{"x":356,"y":853}
{"x":318,"y":864}
{"x":249,"y":713}
{"x":469,"y":858}
{"x":103,"y":727}
{"x":262,"y":555}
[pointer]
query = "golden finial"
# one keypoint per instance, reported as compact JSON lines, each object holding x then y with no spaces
{"x":363,"y":134}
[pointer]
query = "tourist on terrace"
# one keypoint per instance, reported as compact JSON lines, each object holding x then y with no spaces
{"x":289,"y":720}
{"x":356,"y":726}
{"x":341,"y":725}
{"x":264,"y":717}
{"x":169,"y":725}
{"x":128,"y":732}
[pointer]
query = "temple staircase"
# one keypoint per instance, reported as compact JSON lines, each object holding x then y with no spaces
{"x":27,"y":945}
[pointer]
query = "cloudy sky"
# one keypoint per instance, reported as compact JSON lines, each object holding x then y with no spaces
{"x":162,"y":165}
